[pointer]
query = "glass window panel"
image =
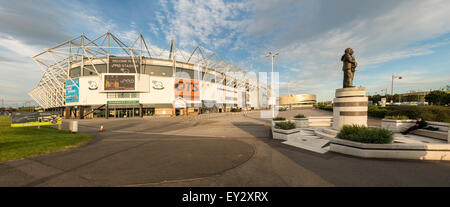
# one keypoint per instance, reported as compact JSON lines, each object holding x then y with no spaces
{"x":75,"y":72}
{"x":157,"y":70}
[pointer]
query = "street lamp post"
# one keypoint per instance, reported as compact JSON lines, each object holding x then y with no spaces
{"x":289,"y":91}
{"x":385,"y":92}
{"x":392,"y":86}
{"x":270,"y":54}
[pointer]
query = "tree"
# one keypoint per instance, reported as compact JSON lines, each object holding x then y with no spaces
{"x":446,"y":101}
{"x":446,"y":88}
{"x":437,"y":98}
{"x":396,"y":98}
{"x":375,"y":98}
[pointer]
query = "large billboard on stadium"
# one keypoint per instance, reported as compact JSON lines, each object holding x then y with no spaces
{"x":124,"y":65}
{"x":120,"y":82}
{"x":27,"y":119}
{"x":187,"y":89}
{"x":72,"y":90}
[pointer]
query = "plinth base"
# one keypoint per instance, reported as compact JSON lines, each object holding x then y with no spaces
{"x":350,"y":107}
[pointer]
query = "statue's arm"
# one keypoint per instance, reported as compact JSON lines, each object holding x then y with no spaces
{"x":349,"y":59}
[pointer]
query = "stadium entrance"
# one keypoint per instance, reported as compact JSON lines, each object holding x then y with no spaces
{"x":124,"y":112}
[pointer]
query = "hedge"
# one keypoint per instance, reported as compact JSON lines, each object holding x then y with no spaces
{"x":428,"y":113}
{"x":325,"y":107}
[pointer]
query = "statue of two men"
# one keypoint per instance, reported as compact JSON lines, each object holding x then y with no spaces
{"x":349,"y":67}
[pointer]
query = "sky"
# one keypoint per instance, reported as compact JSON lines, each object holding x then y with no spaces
{"x":408,"y":38}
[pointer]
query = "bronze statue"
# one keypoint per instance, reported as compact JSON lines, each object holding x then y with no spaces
{"x":349,"y":67}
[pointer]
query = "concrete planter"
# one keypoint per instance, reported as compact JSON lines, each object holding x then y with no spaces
{"x":397,"y":125}
{"x":320,"y":121}
{"x":301,"y":122}
{"x":284,"y":134}
{"x":414,"y":151}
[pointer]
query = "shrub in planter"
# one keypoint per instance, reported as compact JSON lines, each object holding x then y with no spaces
{"x":299,"y":116}
{"x":398,"y":117}
{"x":285,"y":125}
{"x":284,"y":130}
{"x":366,"y":135}
{"x":279,"y":119}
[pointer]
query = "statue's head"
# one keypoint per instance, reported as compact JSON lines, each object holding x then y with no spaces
{"x":349,"y":51}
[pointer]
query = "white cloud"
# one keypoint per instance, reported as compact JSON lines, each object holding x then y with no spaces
{"x":212,"y":23}
{"x":310,"y":35}
{"x":391,"y":34}
{"x":17,"y":46}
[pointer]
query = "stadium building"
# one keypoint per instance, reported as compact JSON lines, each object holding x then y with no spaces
{"x":103,"y":77}
{"x":299,"y":100}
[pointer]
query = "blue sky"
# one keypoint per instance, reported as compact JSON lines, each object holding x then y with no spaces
{"x":410,"y":38}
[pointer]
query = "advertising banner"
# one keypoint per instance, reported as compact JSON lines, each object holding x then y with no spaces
{"x":72,"y":91}
{"x":120,"y":82}
{"x":189,"y":90}
{"x":27,"y":119}
{"x":124,"y":65}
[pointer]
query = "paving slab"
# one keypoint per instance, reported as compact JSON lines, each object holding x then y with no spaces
{"x":231,"y":150}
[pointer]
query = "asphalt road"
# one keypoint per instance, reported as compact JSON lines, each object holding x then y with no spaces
{"x":216,"y":150}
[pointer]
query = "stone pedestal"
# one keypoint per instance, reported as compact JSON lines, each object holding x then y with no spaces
{"x":350,"y":107}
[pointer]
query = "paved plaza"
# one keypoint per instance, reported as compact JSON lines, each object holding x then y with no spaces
{"x":209,"y":150}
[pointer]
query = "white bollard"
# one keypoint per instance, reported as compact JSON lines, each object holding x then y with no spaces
{"x":74,"y":126}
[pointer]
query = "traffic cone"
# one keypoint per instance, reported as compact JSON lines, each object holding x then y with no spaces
{"x":101,"y":128}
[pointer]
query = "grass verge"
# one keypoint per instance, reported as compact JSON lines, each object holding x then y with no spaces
{"x":26,"y":142}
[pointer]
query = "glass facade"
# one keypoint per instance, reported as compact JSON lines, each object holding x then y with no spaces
{"x":89,"y":70}
{"x":188,"y":74}
{"x":152,"y":70}
{"x":157,"y":70}
{"x":75,"y":72}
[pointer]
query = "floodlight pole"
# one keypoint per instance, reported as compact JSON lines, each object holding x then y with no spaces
{"x":289,"y":91}
{"x":392,"y":86}
{"x":272,"y":55}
